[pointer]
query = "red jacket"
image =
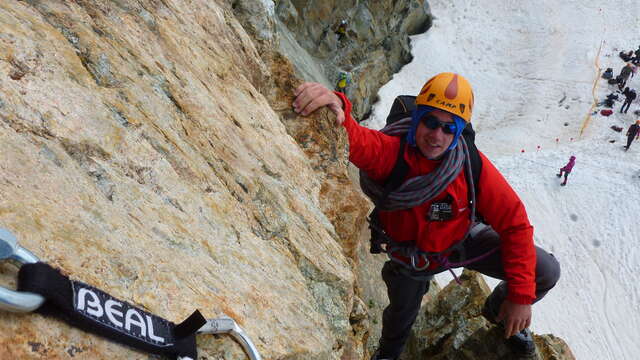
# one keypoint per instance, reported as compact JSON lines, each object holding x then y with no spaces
{"x":375,"y":153}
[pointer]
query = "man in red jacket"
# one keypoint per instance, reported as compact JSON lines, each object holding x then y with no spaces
{"x":430,"y":219}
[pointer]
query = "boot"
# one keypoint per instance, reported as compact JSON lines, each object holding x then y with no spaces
{"x":563,"y":184}
{"x":558,"y":175}
{"x":522,"y":343}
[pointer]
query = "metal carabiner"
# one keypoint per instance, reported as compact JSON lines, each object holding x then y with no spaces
{"x":226,"y":325}
{"x":17,"y":301}
{"x":415,"y":259}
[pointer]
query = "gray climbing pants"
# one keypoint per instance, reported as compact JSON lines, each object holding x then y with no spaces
{"x":405,"y":288}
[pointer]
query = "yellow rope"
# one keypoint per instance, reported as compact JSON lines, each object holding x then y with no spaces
{"x":587,"y":119}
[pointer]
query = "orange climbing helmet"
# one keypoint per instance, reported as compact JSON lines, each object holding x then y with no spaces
{"x":448,"y":92}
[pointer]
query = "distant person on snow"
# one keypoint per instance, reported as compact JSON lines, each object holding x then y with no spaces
{"x":625,"y":73}
{"x":625,"y":91}
{"x":424,"y":220}
{"x":567,"y":170}
{"x":629,"y":95}
{"x":608,"y":74}
{"x":634,"y":131}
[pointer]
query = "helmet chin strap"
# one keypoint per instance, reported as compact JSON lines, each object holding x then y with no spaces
{"x":460,"y":125}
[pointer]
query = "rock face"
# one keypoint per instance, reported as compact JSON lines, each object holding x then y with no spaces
{"x":451,"y":327}
{"x":139,"y":155}
{"x":148,"y":148}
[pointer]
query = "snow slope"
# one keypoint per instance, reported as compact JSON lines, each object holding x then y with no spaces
{"x":534,"y":67}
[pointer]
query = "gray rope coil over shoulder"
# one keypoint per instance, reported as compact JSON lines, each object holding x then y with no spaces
{"x":419,"y":189}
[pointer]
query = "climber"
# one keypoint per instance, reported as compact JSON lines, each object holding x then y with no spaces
{"x":343,"y":81}
{"x":428,"y":221}
{"x":341,"y":31}
{"x":566,"y":170}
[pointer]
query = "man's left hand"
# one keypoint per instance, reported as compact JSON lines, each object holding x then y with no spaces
{"x":515,"y":317}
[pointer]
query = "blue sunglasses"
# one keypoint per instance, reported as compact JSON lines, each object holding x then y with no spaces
{"x":433,"y":123}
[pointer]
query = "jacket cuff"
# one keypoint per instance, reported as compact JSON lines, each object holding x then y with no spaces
{"x":520,"y":299}
{"x":346,"y":106}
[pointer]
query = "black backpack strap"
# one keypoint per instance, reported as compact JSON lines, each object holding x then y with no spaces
{"x":398,"y":173}
{"x":393,"y":181}
{"x":474,"y":156}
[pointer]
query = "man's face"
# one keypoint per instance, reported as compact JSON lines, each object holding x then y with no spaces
{"x":432,"y":143}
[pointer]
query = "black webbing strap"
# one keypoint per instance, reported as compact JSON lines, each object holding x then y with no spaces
{"x":474,"y":156}
{"x":398,"y":173}
{"x":90,"y":309}
{"x":393,"y":181}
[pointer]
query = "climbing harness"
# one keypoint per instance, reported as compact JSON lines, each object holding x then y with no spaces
{"x":46,"y":290}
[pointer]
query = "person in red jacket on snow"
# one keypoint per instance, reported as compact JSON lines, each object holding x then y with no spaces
{"x":435,"y":152}
{"x":566,"y":170}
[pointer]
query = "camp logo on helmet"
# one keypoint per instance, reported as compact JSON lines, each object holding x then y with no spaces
{"x":102,"y":308}
{"x":446,"y":104}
